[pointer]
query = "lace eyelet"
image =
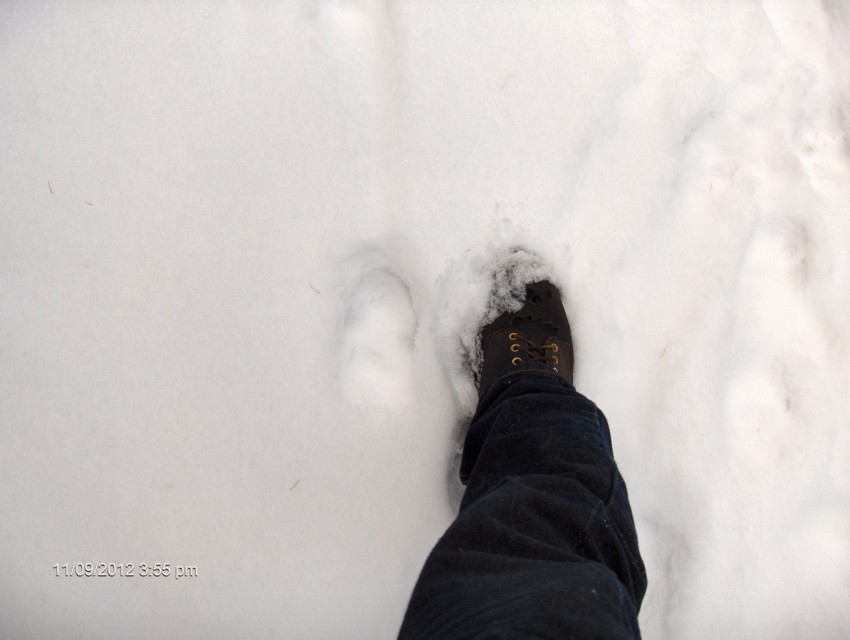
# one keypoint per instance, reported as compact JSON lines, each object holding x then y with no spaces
{"x":512,"y":335}
{"x":516,"y":361}
{"x":555,"y":360}
{"x":514,"y":348}
{"x":554,"y":347}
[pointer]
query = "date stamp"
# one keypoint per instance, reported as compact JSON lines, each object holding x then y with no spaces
{"x":124,"y":570}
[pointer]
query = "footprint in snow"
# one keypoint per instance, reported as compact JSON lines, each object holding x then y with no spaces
{"x":775,"y":333}
{"x":378,"y":332}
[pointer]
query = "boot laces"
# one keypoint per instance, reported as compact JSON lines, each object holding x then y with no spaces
{"x":529,"y":351}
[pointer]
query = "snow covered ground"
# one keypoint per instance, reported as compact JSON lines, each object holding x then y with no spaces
{"x":235,"y":239}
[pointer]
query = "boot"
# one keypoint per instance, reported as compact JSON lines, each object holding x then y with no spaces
{"x":538,"y":333}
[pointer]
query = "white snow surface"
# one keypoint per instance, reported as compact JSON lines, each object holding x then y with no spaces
{"x":242,"y":245}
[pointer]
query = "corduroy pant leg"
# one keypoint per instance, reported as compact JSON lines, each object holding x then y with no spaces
{"x":544,"y":545}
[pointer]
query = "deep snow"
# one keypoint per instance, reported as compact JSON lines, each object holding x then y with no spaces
{"x":241,"y":244}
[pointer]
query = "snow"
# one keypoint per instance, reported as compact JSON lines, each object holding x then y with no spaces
{"x":242,"y":246}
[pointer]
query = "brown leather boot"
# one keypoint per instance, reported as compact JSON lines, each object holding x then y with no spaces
{"x":539,"y":332}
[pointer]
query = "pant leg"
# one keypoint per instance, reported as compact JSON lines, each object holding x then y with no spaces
{"x":544,"y":545}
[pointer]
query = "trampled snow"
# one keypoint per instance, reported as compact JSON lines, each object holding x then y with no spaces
{"x":241,"y":246}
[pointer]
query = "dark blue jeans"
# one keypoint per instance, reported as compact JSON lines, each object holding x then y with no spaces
{"x":544,"y":545}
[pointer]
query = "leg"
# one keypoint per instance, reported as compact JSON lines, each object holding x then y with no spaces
{"x":544,"y":545}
